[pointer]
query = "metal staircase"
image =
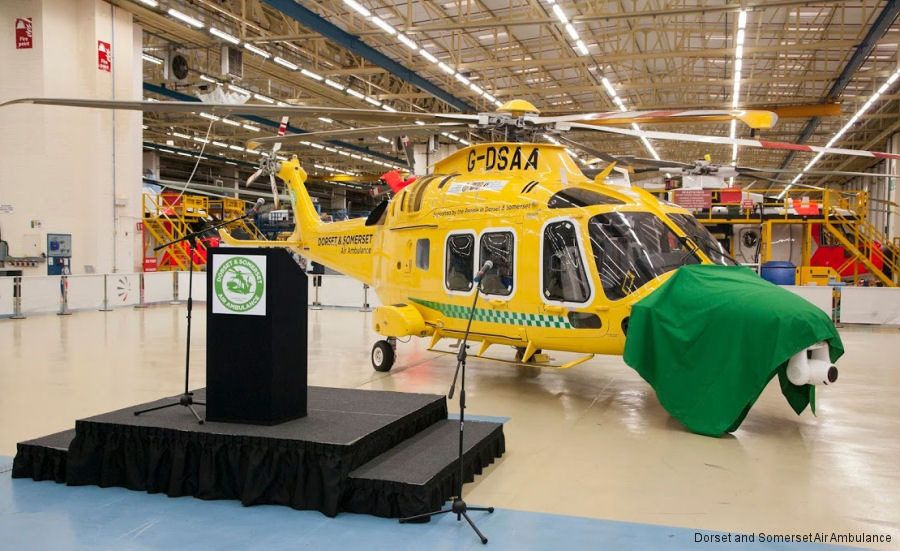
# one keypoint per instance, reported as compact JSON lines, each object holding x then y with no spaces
{"x":863,"y":240}
{"x":168,"y":217}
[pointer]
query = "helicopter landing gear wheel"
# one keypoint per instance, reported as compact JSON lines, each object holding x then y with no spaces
{"x":383,"y":356}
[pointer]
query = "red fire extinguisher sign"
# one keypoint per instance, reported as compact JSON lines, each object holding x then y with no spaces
{"x":24,"y":33}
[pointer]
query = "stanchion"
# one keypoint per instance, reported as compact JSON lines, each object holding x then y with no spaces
{"x":365,"y":306}
{"x":106,"y":307}
{"x":141,"y":303}
{"x":174,"y":300}
{"x":17,"y":298}
{"x":317,"y":282}
{"x":64,"y":296}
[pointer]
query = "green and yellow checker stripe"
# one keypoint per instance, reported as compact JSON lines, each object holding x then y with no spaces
{"x":496,"y":316}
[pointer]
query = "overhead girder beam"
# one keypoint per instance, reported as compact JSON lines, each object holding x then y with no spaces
{"x":312,"y":20}
{"x":270,"y":123}
{"x":469,"y":25}
{"x":619,"y":58}
{"x":863,"y":50}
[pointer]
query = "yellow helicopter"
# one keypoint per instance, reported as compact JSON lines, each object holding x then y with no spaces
{"x":560,"y":260}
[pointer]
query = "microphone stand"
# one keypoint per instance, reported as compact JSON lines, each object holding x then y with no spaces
{"x":459,"y":507}
{"x":187,"y":398}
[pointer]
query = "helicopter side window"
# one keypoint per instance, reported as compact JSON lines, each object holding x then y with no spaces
{"x":564,"y":277}
{"x":460,"y":267}
{"x":498,"y":247}
{"x":423,"y":247}
{"x":632,"y":248}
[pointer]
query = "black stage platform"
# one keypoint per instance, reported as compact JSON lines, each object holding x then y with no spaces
{"x":338,"y":458}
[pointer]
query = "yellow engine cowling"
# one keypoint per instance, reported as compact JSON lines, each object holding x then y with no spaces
{"x":399,"y":320}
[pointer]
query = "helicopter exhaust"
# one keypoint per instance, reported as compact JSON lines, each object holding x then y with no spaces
{"x":812,"y":366}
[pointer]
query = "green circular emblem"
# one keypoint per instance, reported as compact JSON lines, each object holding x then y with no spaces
{"x":239,"y":284}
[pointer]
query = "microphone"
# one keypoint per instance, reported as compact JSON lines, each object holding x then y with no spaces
{"x":259,"y":202}
{"x":487,"y":266}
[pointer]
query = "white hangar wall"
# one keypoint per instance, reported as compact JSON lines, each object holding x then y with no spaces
{"x":74,"y":171}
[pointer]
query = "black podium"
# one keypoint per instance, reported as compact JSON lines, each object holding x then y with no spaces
{"x":256,"y":331}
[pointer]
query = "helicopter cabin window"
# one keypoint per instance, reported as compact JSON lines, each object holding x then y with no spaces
{"x":498,"y":247}
{"x":632,"y":248}
{"x":579,"y":197}
{"x":460,"y":267}
{"x":564,"y":277}
{"x":423,"y":248}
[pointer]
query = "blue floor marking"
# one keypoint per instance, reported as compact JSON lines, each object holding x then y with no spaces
{"x":46,"y":515}
{"x":485,"y":418}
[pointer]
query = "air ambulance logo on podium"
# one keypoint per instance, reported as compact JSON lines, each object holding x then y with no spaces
{"x":239,"y":284}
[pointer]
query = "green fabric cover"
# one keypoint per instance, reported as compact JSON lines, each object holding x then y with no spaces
{"x":711,"y":338}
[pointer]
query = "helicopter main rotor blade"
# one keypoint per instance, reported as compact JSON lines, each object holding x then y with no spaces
{"x":367,"y":132}
{"x":225,"y":109}
{"x":784,"y":146}
{"x":253,"y":177}
{"x":592,"y":151}
{"x":750,"y":169}
{"x":754,"y":118}
{"x":274,"y":189}
{"x":661,"y":164}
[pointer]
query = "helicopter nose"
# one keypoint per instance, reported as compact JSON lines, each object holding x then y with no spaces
{"x":812,"y":366}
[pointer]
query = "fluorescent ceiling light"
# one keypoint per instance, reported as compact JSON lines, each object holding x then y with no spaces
{"x":186,"y":18}
{"x":560,"y":14}
{"x":258,"y":51}
{"x":210,"y":117}
{"x":152,"y":59}
{"x":231,"y":122}
{"x":220,"y":144}
{"x":462,"y":79}
{"x":356,"y":6}
{"x":263,"y":98}
{"x":250,"y":127}
{"x":236,"y":147}
{"x":180,"y":135}
{"x":446,"y":68}
{"x":572,"y":32}
{"x":475,"y":88}
{"x":373,"y":101}
{"x":239,"y":90}
{"x":285,"y":63}
{"x":355,"y":94}
{"x":427,"y":55}
{"x":312,"y":75}
{"x":580,"y":46}
{"x":609,"y":88}
{"x":326,"y":119}
{"x":383,"y":24}
{"x":223,"y":35}
{"x":208,"y":79}
{"x":335,"y":85}
{"x":387,"y":107}
{"x":151,"y":3}
{"x":407,"y":42}
{"x":383,"y":139}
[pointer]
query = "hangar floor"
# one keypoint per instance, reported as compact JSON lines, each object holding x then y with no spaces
{"x":592,"y":442}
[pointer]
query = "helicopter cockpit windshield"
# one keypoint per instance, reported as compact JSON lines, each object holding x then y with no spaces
{"x":701,"y":236}
{"x":632,"y":248}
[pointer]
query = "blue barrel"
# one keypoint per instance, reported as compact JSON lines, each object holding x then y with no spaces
{"x":779,"y":272}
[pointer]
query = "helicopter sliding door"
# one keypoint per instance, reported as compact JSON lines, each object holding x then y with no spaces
{"x":563,"y":275}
